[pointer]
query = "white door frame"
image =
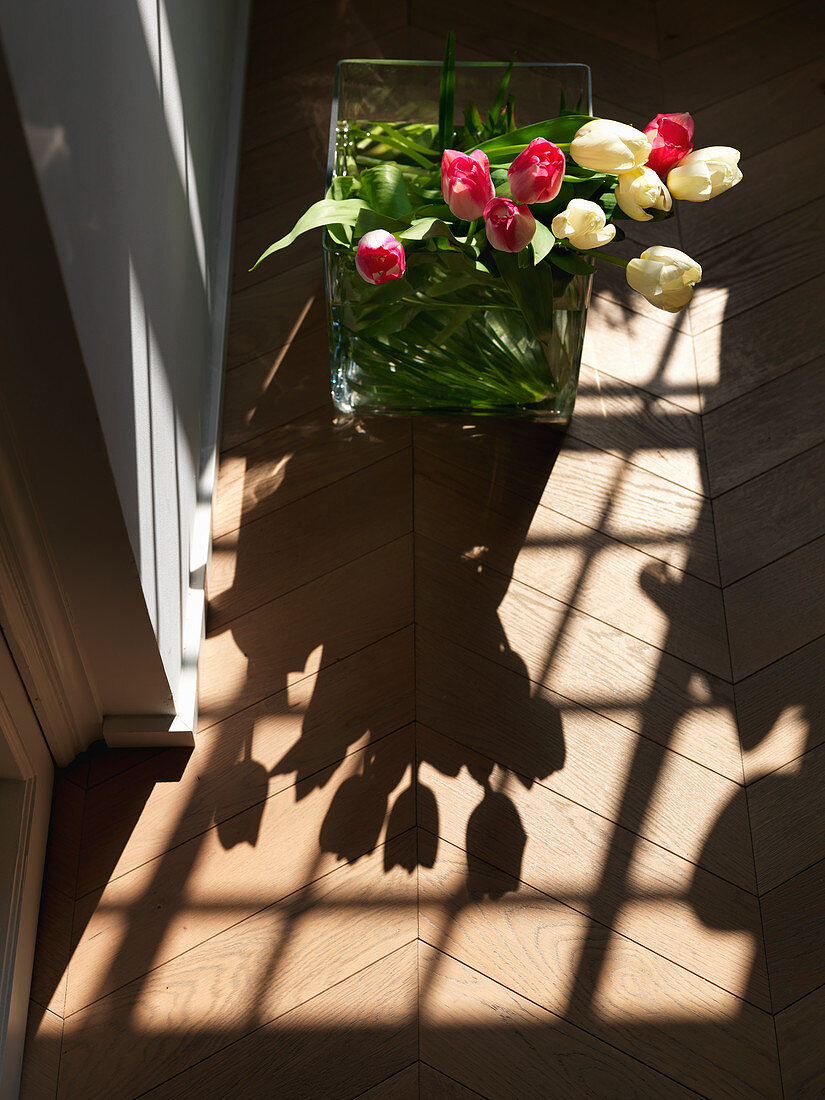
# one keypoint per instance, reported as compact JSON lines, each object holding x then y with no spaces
{"x":25,"y":806}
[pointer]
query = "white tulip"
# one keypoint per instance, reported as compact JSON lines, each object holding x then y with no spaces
{"x":606,"y":146}
{"x":665,"y":276}
{"x":705,"y":173}
{"x":584,"y":224}
{"x":640,"y":190}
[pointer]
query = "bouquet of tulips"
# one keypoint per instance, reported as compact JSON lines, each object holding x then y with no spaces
{"x":459,"y":259}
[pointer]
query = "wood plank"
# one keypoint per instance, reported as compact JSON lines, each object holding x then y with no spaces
{"x":41,"y":1054}
{"x":746,"y":56}
{"x":255,"y":234}
{"x":192,"y":1006}
{"x":782,"y":710}
{"x":596,"y":488}
{"x":787,"y":819}
{"x":799,"y":1031}
{"x":763,"y":428}
{"x":622,"y":343}
{"x":756,"y":199}
{"x":771,"y":515}
{"x":571,"y":653}
{"x":761,"y":344}
{"x":777,"y":609}
{"x":660,"y":901}
{"x":60,"y":871}
{"x":202,"y":886}
{"x":291,"y":460}
{"x":254,"y":659}
{"x":501,"y":1044}
{"x":737,"y":279}
{"x":332,"y":1045}
{"x":275,"y":388}
{"x":436,"y":1084}
{"x":572,"y":563}
{"x":751,"y":120}
{"x":106,"y":763}
{"x":541,"y":737}
{"x":283,"y":742}
{"x":51,"y":955}
{"x":404,"y":1084}
{"x":794,"y":919}
{"x":275,"y":310}
{"x":270,"y":556}
{"x":274,"y":174}
{"x":602,"y":982}
{"x":683,"y":26}
{"x":646,"y":430}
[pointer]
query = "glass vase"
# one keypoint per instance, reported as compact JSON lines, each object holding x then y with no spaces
{"x":430,"y":352}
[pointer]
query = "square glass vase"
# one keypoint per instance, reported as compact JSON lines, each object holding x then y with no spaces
{"x":443,"y":340}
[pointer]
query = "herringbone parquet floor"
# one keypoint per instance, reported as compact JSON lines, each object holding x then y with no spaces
{"x":511,"y":774}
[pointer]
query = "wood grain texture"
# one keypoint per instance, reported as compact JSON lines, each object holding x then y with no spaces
{"x":782,"y":710}
{"x":288,"y":462}
{"x":507,"y":1043}
{"x":51,"y":956}
{"x":571,"y":562}
{"x":248,"y":975}
{"x":542,"y":737}
{"x":202,"y":886}
{"x":761,"y":344}
{"x":777,"y":609}
{"x":434,"y":1084}
{"x":763,"y":428}
{"x":571,"y":653}
{"x":695,"y":919}
{"x":284,"y":741}
{"x":323,"y":1047}
{"x":799,"y":1030}
{"x":272,"y":555}
{"x":683,"y":26}
{"x":794,"y":917}
{"x":41,"y":1055}
{"x":787,"y":810}
{"x":60,"y":871}
{"x":600,"y":981}
{"x":771,"y":515}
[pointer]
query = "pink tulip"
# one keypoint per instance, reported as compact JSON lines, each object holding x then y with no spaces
{"x":465,"y":183}
{"x":670,"y":136}
{"x":536,"y":174}
{"x":509,"y":227}
{"x":380,"y":257}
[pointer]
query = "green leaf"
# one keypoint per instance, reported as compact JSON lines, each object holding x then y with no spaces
{"x":343,"y":187}
{"x":370,"y":219}
{"x":501,"y":95}
{"x":325,"y":212}
{"x":427,"y":229}
{"x":543,"y":241}
{"x":388,"y":135}
{"x":559,"y":130}
{"x":472,"y":122}
{"x":532,"y":289}
{"x":572,"y":263}
{"x":383,"y":189}
{"x":446,"y":95}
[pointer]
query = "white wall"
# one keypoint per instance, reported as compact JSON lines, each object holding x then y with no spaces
{"x":131,"y":112}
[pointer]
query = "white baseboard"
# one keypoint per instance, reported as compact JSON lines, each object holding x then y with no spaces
{"x":147,"y":731}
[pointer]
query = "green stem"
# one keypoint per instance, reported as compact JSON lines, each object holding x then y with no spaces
{"x":606,"y":256}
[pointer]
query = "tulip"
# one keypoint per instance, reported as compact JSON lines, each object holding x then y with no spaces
{"x":465,"y":183}
{"x":584,"y":224}
{"x":509,"y":227}
{"x":380,"y":257}
{"x":670,"y":136}
{"x":640,"y":190}
{"x":705,"y":173}
{"x":665,"y":276}
{"x":537,"y":172}
{"x":606,"y":146}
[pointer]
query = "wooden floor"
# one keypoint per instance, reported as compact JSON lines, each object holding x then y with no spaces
{"x":511,"y":771}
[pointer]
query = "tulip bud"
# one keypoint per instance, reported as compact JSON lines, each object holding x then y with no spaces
{"x":465,"y":183}
{"x":537,"y":172}
{"x":584,"y":224}
{"x":640,"y":190}
{"x":606,"y":146}
{"x":509,"y":227}
{"x":665,"y":276}
{"x":705,"y":173}
{"x":380,"y":257}
{"x":670,"y":136}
